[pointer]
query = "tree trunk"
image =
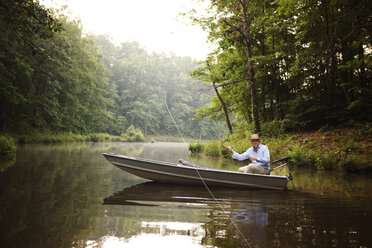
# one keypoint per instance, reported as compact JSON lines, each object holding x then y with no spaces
{"x":276,"y":86}
{"x":222,"y":102}
{"x":250,"y":69}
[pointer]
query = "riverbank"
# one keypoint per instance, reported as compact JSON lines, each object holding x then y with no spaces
{"x":131,"y":135}
{"x":7,"y":148}
{"x":343,"y":149}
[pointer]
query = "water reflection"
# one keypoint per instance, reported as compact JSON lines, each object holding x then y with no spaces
{"x":53,"y":197}
{"x":226,"y":211}
{"x":265,"y":218}
{"x":150,"y":192}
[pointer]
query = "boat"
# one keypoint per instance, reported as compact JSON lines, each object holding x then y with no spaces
{"x":188,"y":173}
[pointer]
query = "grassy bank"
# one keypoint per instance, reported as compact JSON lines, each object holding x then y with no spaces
{"x":7,"y":148}
{"x":169,"y":138}
{"x":131,"y":135}
{"x":344,"y":149}
{"x":7,"y":152}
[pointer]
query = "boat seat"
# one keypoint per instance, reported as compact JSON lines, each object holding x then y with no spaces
{"x":187,"y":163}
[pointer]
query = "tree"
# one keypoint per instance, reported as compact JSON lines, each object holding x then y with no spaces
{"x":308,"y":61}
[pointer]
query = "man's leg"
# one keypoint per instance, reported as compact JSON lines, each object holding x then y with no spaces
{"x":243,"y":169}
{"x":255,"y":169}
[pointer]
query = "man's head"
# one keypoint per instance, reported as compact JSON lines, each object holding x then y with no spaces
{"x":255,"y":139}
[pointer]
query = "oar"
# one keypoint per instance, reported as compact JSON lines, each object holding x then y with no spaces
{"x":286,"y":159}
{"x":282,"y":159}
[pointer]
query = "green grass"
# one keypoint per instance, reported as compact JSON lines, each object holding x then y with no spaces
{"x":49,"y":138}
{"x":343,"y":149}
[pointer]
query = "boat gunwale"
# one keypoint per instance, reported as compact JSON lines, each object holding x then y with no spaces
{"x":189,"y":167}
{"x":207,"y":180}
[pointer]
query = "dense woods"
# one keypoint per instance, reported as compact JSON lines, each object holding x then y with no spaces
{"x":278,"y":65}
{"x":293,"y":65}
{"x":53,"y":78}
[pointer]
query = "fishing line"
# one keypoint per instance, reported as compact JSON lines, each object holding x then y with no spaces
{"x":201,"y":178}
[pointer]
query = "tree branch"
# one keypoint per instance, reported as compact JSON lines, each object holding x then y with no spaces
{"x":233,"y":82}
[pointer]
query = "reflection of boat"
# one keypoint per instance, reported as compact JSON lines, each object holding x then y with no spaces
{"x":145,"y":194}
{"x":186,"y":174}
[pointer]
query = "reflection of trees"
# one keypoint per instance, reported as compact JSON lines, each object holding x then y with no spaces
{"x":309,"y":220}
{"x":290,"y":220}
{"x":226,"y":227}
{"x":332,"y":183}
{"x":52,"y":197}
{"x":5,"y":164}
{"x":53,"y":194}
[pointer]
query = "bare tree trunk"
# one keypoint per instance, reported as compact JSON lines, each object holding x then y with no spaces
{"x":250,"y":69}
{"x":222,"y":103}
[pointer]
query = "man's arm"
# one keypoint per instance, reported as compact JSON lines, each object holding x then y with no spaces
{"x":241,"y":157}
{"x":238,"y":156}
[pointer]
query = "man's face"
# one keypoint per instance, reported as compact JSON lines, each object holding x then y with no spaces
{"x":255,"y":142}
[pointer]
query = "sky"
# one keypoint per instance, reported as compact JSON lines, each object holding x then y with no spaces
{"x":155,"y":24}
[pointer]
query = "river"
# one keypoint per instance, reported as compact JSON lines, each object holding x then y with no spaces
{"x":68,"y":195}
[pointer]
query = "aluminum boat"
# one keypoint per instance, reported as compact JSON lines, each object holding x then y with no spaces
{"x":188,"y":173}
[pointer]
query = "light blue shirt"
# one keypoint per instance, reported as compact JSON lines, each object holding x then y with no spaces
{"x":262,"y":155}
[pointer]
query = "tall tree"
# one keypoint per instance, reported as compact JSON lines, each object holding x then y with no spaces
{"x":310,"y":59}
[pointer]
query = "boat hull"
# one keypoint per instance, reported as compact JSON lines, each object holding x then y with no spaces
{"x":180,"y":174}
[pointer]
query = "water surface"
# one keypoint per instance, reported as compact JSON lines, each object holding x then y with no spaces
{"x":70,"y":196}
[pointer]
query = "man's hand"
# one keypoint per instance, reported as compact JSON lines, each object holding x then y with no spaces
{"x":228,"y":147}
{"x":252,"y":158}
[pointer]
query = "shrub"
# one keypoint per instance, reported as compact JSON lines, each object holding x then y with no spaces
{"x":278,"y":147}
{"x":273,"y":128}
{"x":351,"y":163}
{"x":301,"y":156}
{"x":7,"y":148}
{"x":195,"y":148}
{"x":134,"y":134}
{"x":289,"y":125}
{"x":211,"y":149}
{"x":325,"y":162}
{"x":94,"y":137}
{"x":224,"y":152}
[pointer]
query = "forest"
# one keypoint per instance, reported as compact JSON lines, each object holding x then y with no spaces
{"x":291,"y":65}
{"x":278,"y":65}
{"x":56,"y":79}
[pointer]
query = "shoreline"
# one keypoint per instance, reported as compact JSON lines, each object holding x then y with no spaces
{"x":337,"y":149}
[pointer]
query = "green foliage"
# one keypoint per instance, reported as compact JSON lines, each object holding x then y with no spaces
{"x":356,"y":163}
{"x":273,"y":128}
{"x":334,"y":149}
{"x":212,"y":148}
{"x":278,"y":146}
{"x":224,"y":152}
{"x":195,"y":148}
{"x":7,"y":148}
{"x":301,"y":156}
{"x":55,"y":79}
{"x":326,"y":161}
{"x":133,"y":134}
{"x":350,"y":164}
{"x":50,"y":138}
{"x":312,"y":65}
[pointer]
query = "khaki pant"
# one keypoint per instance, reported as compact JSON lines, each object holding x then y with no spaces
{"x":253,"y":168}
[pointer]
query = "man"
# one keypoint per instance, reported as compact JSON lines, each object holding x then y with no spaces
{"x":258,"y":154}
